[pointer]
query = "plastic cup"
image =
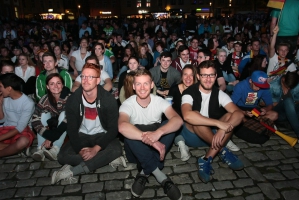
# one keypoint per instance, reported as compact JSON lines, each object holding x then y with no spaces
{"x":169,"y":99}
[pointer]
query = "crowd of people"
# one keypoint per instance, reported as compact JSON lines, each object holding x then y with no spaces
{"x":189,"y":82}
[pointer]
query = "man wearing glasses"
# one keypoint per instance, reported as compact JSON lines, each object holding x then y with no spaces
{"x":206,"y":109}
{"x":91,"y":112}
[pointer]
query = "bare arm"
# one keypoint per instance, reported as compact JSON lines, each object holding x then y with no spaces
{"x":9,"y":134}
{"x":76,"y":85}
{"x":127,"y":129}
{"x":73,"y":66}
{"x":221,"y":83}
{"x":108,"y":84}
{"x":112,"y":59}
{"x":273,"y":41}
{"x":273,"y":24}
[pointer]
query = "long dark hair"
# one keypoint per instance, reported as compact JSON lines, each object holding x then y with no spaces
{"x":50,"y":95}
{"x":256,"y":64}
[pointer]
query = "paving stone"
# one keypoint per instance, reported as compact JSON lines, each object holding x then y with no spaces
{"x":118,"y":195}
{"x":222,"y":185}
{"x":255,"y":197}
{"x":285,"y":167}
{"x":269,"y":190}
{"x":290,"y":161}
{"x":195,"y":177}
{"x":243,"y":183}
{"x":95,"y":196}
{"x":7,"y":184}
{"x":290,"y":153}
{"x":67,"y":198}
{"x":234,"y":198}
{"x":36,"y":198}
{"x":218,"y":194}
{"x":287,"y":184}
{"x":115,"y":175}
{"x":241,"y":174}
{"x":185,"y":168}
{"x":28,"y":192}
{"x":167,"y":170}
{"x":202,"y":187}
{"x":52,"y":190}
{"x":26,"y":183}
{"x":89,"y":178}
{"x":223,"y":174}
{"x":43,"y":181}
{"x":270,"y":143}
{"x":290,"y":195}
{"x":22,"y":167}
{"x":267,"y":163}
{"x":252,"y":190}
{"x":16,"y":160}
{"x":41,"y":173}
{"x":254,"y":173}
{"x":296,"y":165}
{"x":3,"y":176}
{"x":148,"y":193}
{"x":128,"y":183}
{"x":182,"y":179}
{"x":73,"y":181}
{"x":73,"y":188}
{"x":197,"y":153}
{"x":11,"y":175}
{"x":185,"y":189}
{"x":113,"y":185}
{"x":92,"y":187}
{"x":173,"y":162}
{"x":203,"y":195}
{"x":274,"y":176}
{"x":246,"y":162}
{"x":290,"y":174}
{"x":7,"y":194}
{"x":152,"y":181}
{"x":7,"y":167}
{"x":236,"y":192}
{"x":105,"y":169}
{"x":274,"y":155}
{"x":24,"y":175}
{"x":52,"y":164}
{"x":256,"y":156}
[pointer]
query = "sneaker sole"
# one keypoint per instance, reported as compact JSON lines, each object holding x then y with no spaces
{"x":231,"y":149}
{"x":49,"y":156}
{"x":53,"y":178}
{"x":135,"y":195}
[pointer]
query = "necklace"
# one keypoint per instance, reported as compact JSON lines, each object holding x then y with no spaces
{"x":141,"y":105}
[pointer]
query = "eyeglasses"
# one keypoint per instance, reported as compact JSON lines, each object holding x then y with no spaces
{"x":88,"y":77}
{"x":208,"y":75}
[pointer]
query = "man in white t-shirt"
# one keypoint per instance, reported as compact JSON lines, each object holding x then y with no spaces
{"x":206,"y":109}
{"x":146,"y":139}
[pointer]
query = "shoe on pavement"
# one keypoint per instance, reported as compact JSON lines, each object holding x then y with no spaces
{"x":232,"y":146}
{"x":38,"y":155}
{"x":139,"y":185}
{"x":63,"y":174}
{"x":230,"y":159}
{"x":183,"y":148}
{"x":52,"y":153}
{"x":205,"y":169}
{"x":118,"y":161}
{"x":171,"y":190}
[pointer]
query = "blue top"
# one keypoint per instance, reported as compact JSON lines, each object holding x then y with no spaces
{"x":246,"y":59}
{"x":244,"y":96}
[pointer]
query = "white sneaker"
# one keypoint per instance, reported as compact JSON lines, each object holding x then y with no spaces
{"x":63,"y":174}
{"x":183,"y":148}
{"x":231,"y":146}
{"x":118,"y":161}
{"x":52,"y":153}
{"x":38,"y":155}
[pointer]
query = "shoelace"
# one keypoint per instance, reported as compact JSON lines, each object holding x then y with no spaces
{"x":229,"y":157}
{"x":142,"y":180}
{"x":167,"y":186}
{"x":206,"y":167}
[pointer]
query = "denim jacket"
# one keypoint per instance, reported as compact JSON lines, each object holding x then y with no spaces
{"x":276,"y":91}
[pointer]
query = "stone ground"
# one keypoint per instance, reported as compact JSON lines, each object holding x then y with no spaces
{"x":271,"y":172}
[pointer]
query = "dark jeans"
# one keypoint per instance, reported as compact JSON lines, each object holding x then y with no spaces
{"x":291,"y":40}
{"x":144,"y":155}
{"x":288,"y":111}
{"x":68,"y":156}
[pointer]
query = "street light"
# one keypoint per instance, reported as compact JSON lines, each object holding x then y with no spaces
{"x":210,"y":9}
{"x":229,"y":5}
{"x":79,"y":10}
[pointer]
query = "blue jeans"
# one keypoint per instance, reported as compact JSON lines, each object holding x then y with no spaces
{"x":288,"y":111}
{"x":144,"y":155}
{"x":41,"y":139}
{"x":229,"y":78}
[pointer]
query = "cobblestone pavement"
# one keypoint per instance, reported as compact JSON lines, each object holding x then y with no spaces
{"x":271,"y":172}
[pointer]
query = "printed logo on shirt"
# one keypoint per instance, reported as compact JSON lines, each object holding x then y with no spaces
{"x":251,"y":98}
{"x":90,"y":113}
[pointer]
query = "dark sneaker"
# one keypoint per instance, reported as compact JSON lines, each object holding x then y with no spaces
{"x":171,"y":190}
{"x":205,"y":169}
{"x":230,"y":159}
{"x":139,"y":185}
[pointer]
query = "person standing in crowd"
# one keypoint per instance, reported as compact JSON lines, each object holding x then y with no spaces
{"x":140,"y":123}
{"x":205,"y":110}
{"x":49,"y":120}
{"x":91,"y":126}
{"x":78,"y":57}
{"x":16,"y":110}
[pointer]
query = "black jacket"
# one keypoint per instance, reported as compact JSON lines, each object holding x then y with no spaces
{"x":108,"y":114}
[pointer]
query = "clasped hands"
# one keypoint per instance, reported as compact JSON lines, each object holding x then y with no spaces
{"x":151,"y":138}
{"x":88,"y":153}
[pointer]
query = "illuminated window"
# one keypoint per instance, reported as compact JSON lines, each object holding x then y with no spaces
{"x":148,"y":3}
{"x":129,"y":4}
{"x":16,"y":12}
{"x":138,"y":4}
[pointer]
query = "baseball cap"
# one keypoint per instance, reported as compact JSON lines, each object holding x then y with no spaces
{"x":259,"y":79}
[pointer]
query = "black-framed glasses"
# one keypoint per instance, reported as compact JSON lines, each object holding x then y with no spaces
{"x":88,"y":77}
{"x":208,"y":75}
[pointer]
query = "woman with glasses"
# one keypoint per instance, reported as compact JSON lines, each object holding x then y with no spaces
{"x":49,"y":119}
